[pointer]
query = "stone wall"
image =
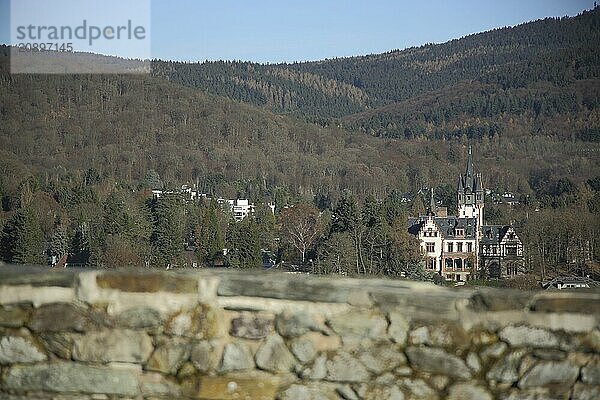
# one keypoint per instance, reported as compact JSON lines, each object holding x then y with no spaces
{"x":232,"y":335}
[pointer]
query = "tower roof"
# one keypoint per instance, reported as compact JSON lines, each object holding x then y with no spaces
{"x":470,"y":179}
{"x":469,"y":172}
{"x":432,"y":206}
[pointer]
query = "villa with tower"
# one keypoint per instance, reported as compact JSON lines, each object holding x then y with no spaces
{"x":463,"y":247}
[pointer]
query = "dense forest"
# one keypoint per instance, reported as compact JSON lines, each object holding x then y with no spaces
{"x":337,"y":145}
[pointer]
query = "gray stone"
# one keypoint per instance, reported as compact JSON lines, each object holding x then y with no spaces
{"x":439,"y":382}
{"x":59,"y":317}
{"x":592,"y":340}
{"x":205,"y":356}
{"x":139,"y":318}
{"x":527,"y":362}
{"x":169,"y":357}
{"x":507,"y":369}
{"x":493,"y":351}
{"x":380,"y":392}
{"x":72,"y":377}
{"x":236,"y":356}
{"x":468,"y":391}
{"x":525,"y":336}
{"x":591,"y":373}
{"x":399,"y":326}
{"x":345,"y":368}
{"x":15,"y":316}
{"x":437,"y":361}
{"x":251,"y":327}
{"x":548,"y":372}
{"x":403,"y":371}
{"x":346,"y":392}
{"x":303,"y":349}
{"x":586,"y":392}
{"x":118,"y":345}
{"x":296,"y":324}
{"x":200,"y":322}
{"x":60,"y":344}
{"x":535,"y":394}
{"x":473,"y":362}
{"x":156,"y":385}
{"x":439,"y":336}
{"x":19,"y":350}
{"x":417,"y":389}
{"x":186,"y":370}
{"x":302,"y":392}
{"x":382,"y":358}
{"x":317,"y":371}
{"x":274,"y":355}
{"x":419,"y":335}
{"x":386,"y":379}
{"x":550,"y":354}
{"x":359,"y":325}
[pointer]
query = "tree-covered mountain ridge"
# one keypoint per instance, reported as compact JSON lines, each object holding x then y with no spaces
{"x":558,"y":51}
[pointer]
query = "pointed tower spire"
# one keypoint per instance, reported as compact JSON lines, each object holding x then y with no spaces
{"x":469,"y":172}
{"x":432,"y":206}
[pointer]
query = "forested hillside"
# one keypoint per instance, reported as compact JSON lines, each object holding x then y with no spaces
{"x":509,"y":61}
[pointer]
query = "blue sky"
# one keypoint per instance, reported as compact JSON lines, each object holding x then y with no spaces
{"x":276,"y":31}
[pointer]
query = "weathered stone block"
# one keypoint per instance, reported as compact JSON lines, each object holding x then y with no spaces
{"x":60,"y":344}
{"x":251,"y":327}
{"x":118,"y":345}
{"x":380,"y":359}
{"x":236,"y":356}
{"x":19,"y":350}
{"x":205,"y":356}
{"x":346,"y":392}
{"x":294,"y":324}
{"x":493,"y":351}
{"x":253,"y":385}
{"x":359,"y":325}
{"x":345,"y":368}
{"x":169,"y":357}
{"x":437,"y":361}
{"x":309,"y":392}
{"x":304,"y":349}
{"x":15,"y":316}
{"x":525,"y":336}
{"x":590,"y":374}
{"x":473,"y":362}
{"x":445,"y":335}
{"x":60,"y":317}
{"x":465,"y":391}
{"x":317,"y":371}
{"x":581,"y":303}
{"x":417,"y":389}
{"x":399,"y":326}
{"x":591,"y":341}
{"x":139,"y":318}
{"x":549,"y":372}
{"x":149,"y":282}
{"x":499,"y":300}
{"x":66,"y":377}
{"x":586,"y":392}
{"x":378,"y":392}
{"x":155,"y":385}
{"x":274,"y":355}
{"x":549,"y":354}
{"x":202,"y":322}
{"x":507,"y":369}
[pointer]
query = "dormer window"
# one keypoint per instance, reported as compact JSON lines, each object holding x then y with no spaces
{"x":459,"y":232}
